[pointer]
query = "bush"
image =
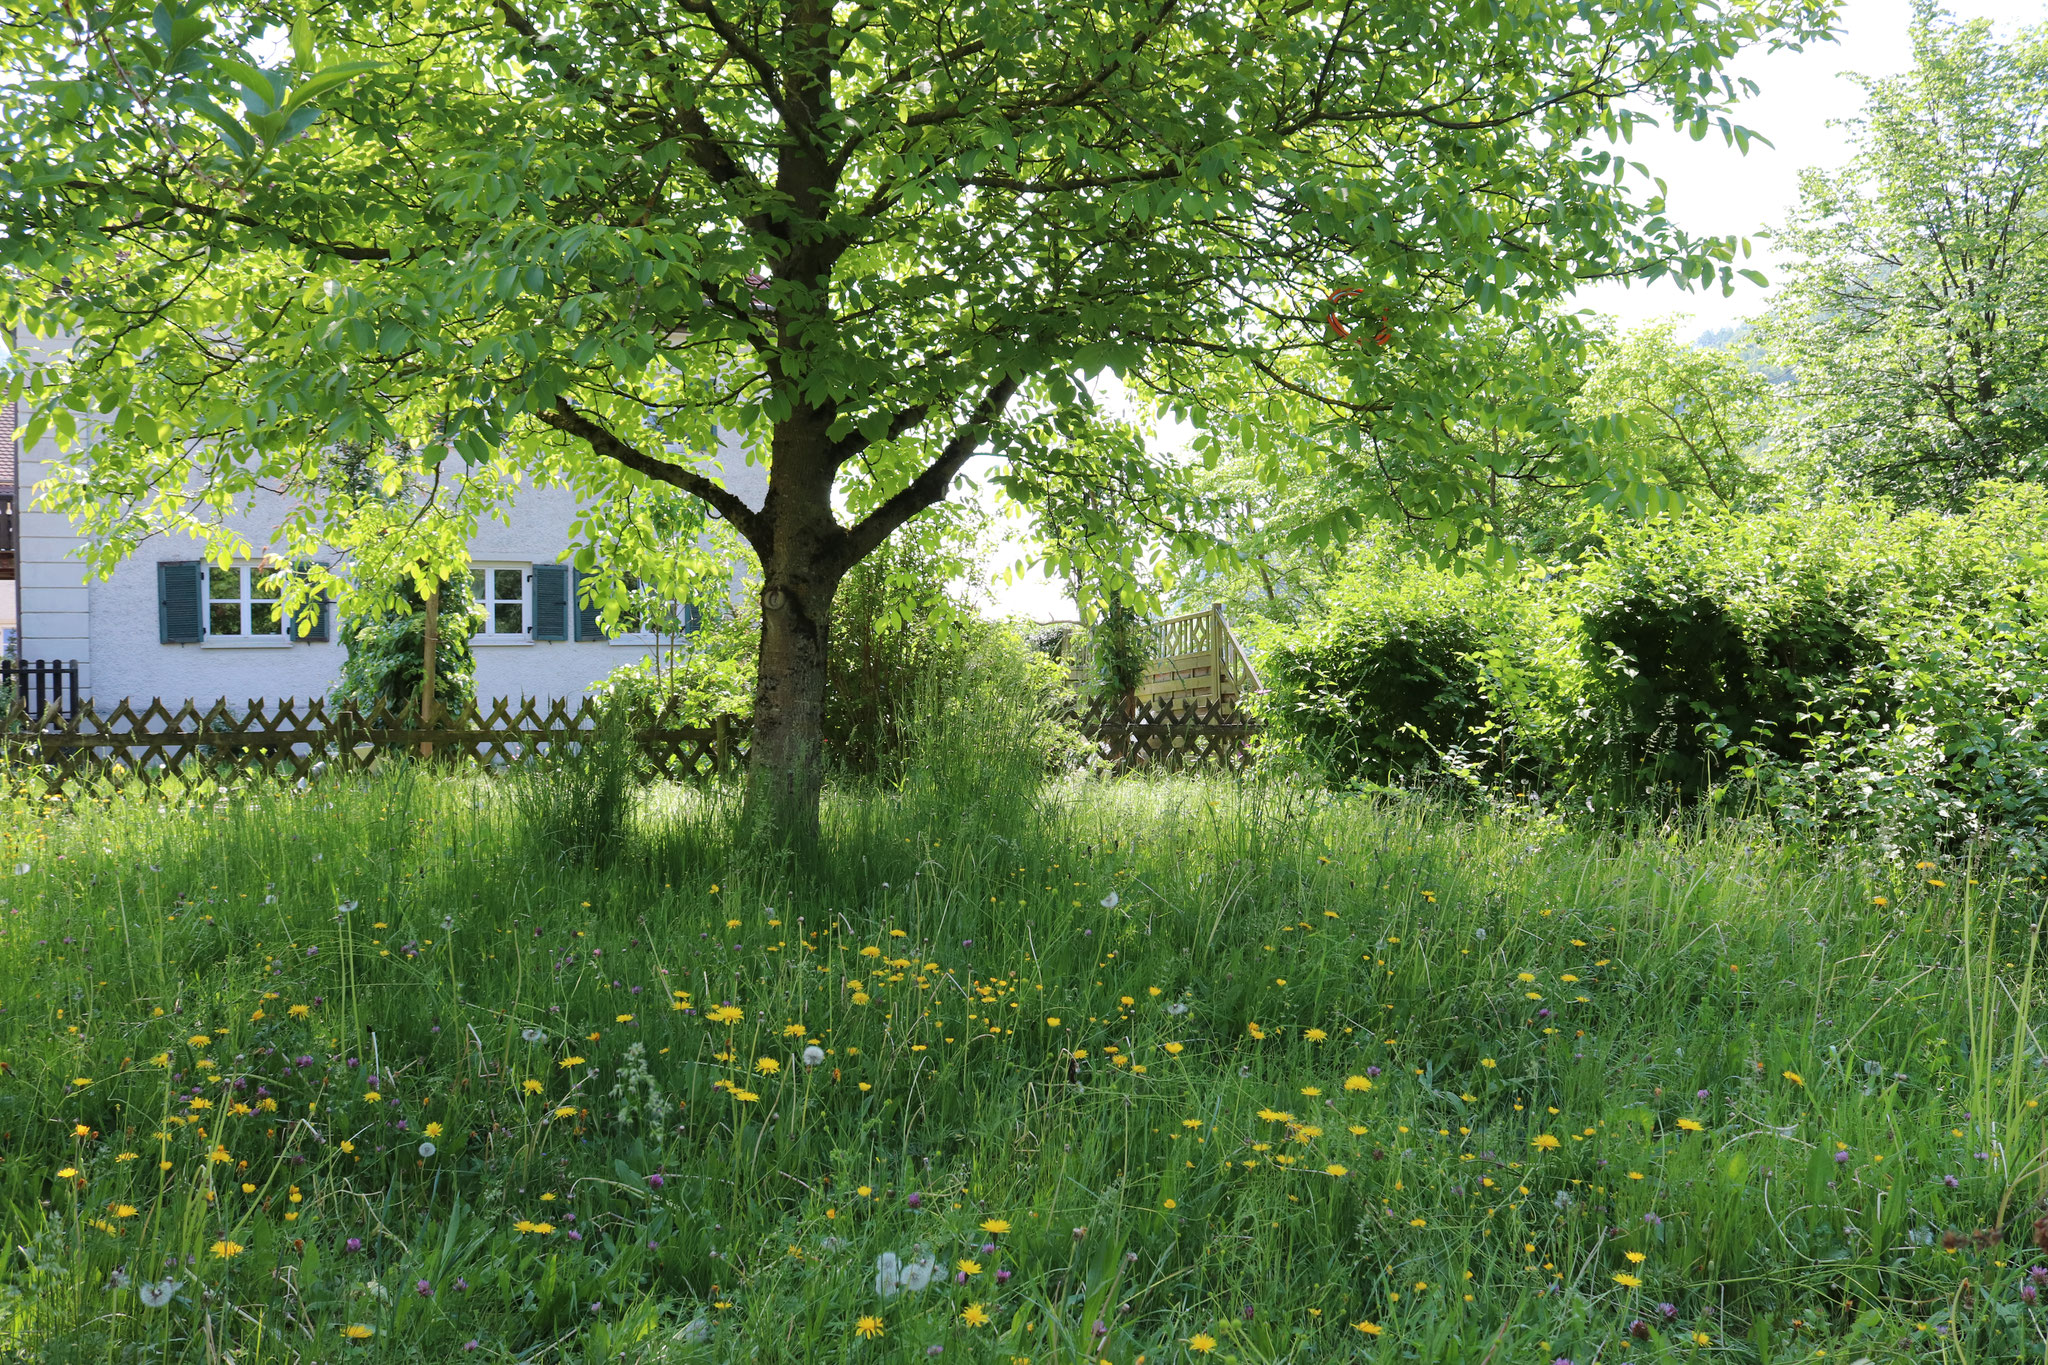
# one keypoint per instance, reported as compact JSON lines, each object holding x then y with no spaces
{"x":386,"y":653}
{"x":1862,"y":674}
{"x":1393,"y":683}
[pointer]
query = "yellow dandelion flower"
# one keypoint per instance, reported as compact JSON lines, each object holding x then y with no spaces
{"x":1691,"y":1126}
{"x":1546,"y":1142}
{"x":1627,"y":1281}
{"x":868,"y":1327}
{"x":975,"y":1316}
{"x":1793,"y":1077}
{"x":531,"y":1086}
{"x":357,"y":1331}
{"x":567,"y":1111}
{"x":997,"y":1226}
{"x":1175,"y":1049}
{"x":1371,"y":1329}
{"x":434,"y":1130}
{"x":1201,"y":1343}
{"x":225,"y":1249}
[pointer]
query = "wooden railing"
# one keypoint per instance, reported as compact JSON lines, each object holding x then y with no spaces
{"x":1194,"y":657}
{"x":1169,"y":736}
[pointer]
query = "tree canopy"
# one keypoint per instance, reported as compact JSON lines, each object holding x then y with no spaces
{"x":586,"y":242}
{"x":1916,"y":317}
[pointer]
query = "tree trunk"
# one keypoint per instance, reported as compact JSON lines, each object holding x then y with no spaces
{"x":803,"y":559}
{"x":786,"y":770}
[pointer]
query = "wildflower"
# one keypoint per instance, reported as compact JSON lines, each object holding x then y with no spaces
{"x":1174,"y":1049}
{"x":424,"y":1289}
{"x":67,"y":1172}
{"x":868,"y":1328}
{"x":1276,"y":1116}
{"x":767,"y":1066}
{"x":968,"y":1267}
{"x":427,"y":1149}
{"x":1109,"y":901}
{"x":1315,"y":1035}
{"x":567,"y":1111}
{"x":1201,"y":1343}
{"x":157,"y":1295}
{"x":124,"y":1210}
{"x":434,"y":1130}
{"x":1255,"y":1030}
{"x":1357,"y":1083}
{"x":1334,"y":1169}
{"x":356,"y":1331}
{"x":1627,"y":1281}
{"x":622,"y":1019}
{"x":1635,"y":1257}
{"x":1793,"y":1077}
{"x":1371,"y":1329}
{"x":995,"y":1226}
{"x":975,"y":1316}
{"x":1691,"y":1126}
{"x":568,"y":1062}
{"x":1488,"y":1063}
{"x":225,"y":1249}
{"x":813,"y":1055}
{"x":1052,"y":1020}
{"x":1546,"y":1142}
{"x":371,"y":1097}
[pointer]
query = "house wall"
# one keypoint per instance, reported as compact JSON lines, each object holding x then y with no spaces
{"x":111,"y":627}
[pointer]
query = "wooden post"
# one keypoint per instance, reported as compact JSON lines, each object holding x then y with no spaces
{"x":1215,"y":653}
{"x":431,"y":648}
{"x":718,"y":755}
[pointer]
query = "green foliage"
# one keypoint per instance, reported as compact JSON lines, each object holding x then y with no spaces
{"x":1915,"y":313}
{"x":698,"y":677}
{"x":376,"y":956}
{"x":575,"y":800}
{"x":387,"y":652}
{"x":1392,"y":681}
{"x":1862,"y":674}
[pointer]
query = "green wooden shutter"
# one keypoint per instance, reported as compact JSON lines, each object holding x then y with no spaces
{"x":550,"y":602}
{"x":693,"y":618}
{"x":316,"y":631}
{"x":179,"y":620}
{"x":589,"y":619}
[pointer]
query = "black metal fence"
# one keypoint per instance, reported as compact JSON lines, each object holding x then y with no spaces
{"x":38,"y":684}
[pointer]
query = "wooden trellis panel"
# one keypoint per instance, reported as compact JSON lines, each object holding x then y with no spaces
{"x":92,"y":751}
{"x":1170,"y":735}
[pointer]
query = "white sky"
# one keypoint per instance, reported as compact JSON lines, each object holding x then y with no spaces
{"x":1713,"y":189}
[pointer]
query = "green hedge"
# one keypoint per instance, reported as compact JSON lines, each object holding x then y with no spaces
{"x":1858,"y":672}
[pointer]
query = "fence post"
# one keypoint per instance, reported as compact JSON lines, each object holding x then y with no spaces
{"x":718,"y":754}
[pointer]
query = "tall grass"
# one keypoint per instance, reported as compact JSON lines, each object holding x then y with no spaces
{"x":1233,"y":1064}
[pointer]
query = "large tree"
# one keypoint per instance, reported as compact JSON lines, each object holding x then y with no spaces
{"x":1916,"y":314}
{"x":577,"y":240}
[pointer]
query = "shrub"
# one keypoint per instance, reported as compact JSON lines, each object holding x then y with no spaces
{"x":387,"y":651}
{"x":1395,"y":680}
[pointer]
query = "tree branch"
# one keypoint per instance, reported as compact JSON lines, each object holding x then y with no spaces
{"x":568,"y":420}
{"x":930,"y":486}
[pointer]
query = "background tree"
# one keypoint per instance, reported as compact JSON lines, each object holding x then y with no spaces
{"x":1917,"y":316}
{"x":582,"y":242}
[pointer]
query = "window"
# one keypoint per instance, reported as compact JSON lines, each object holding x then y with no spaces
{"x":241,"y":605}
{"x":501,"y":592}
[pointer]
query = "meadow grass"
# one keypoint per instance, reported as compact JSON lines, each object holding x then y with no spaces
{"x":1151,"y":1070}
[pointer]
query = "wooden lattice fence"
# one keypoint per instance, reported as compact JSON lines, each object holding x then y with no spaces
{"x":91,"y":750}
{"x":190,"y":745}
{"x":1170,"y":735}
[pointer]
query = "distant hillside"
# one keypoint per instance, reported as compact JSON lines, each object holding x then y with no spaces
{"x":1737,"y":339}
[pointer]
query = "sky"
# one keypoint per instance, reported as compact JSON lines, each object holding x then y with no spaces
{"x":1712,"y":188}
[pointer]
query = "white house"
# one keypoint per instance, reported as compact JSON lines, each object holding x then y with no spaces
{"x":170,"y":626}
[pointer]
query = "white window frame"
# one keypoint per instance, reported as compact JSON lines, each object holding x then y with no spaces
{"x":245,"y":571}
{"x":487,"y":637}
